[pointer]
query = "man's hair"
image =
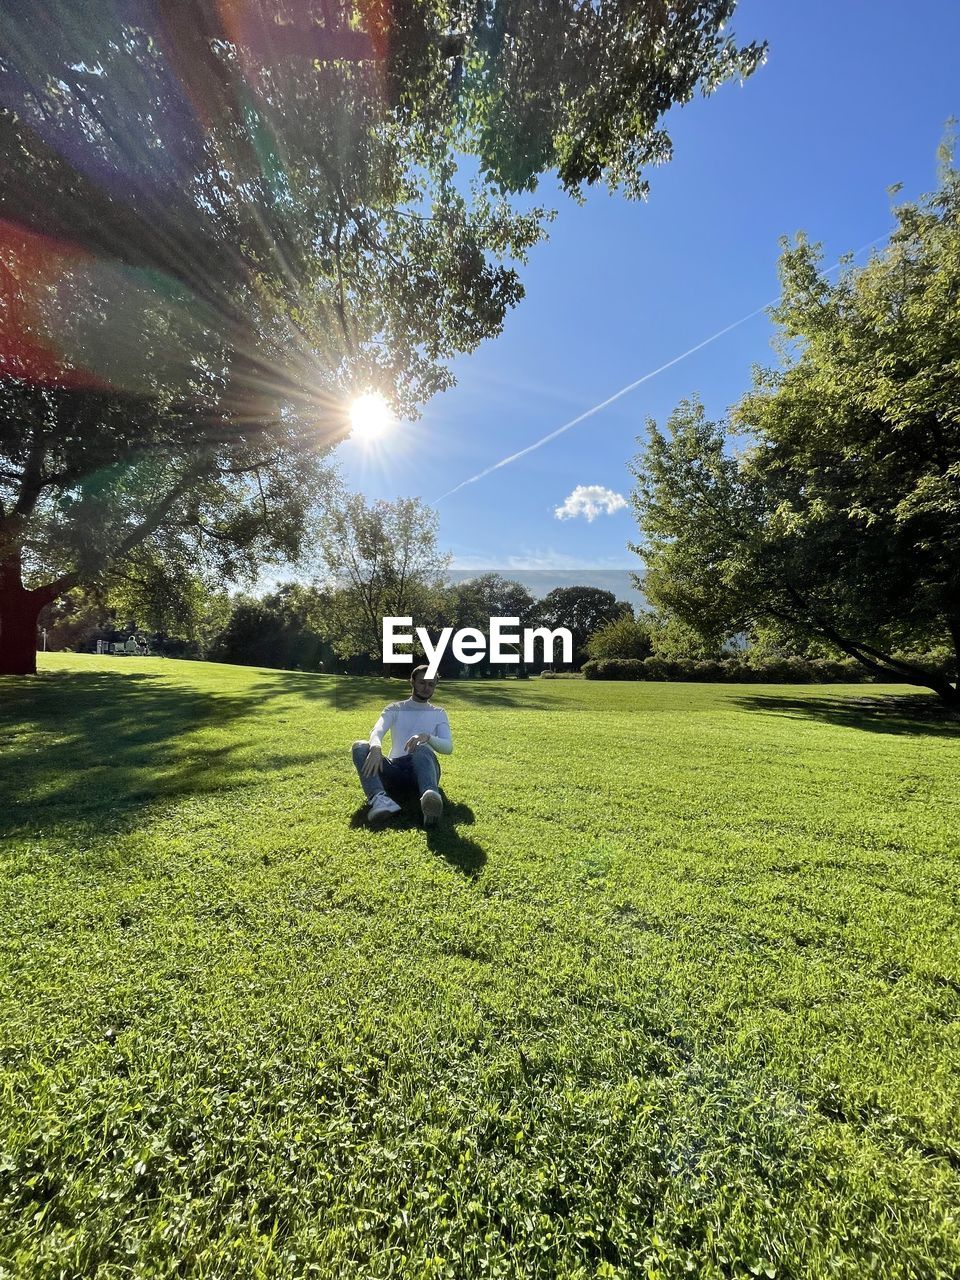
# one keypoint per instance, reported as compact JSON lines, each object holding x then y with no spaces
{"x":419,"y":671}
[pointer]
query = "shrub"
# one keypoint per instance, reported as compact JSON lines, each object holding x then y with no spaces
{"x":624,"y":637}
{"x":614,"y":669}
{"x":942,"y":661}
{"x":844,"y":670}
{"x":733,"y":670}
{"x":664,"y":668}
{"x":792,"y":670}
{"x":707,"y":669}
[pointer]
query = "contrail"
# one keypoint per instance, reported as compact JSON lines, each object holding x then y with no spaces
{"x":588,"y":413}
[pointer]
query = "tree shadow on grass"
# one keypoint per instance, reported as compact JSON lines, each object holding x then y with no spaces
{"x":347,"y":693}
{"x":344,"y":693}
{"x":464,"y":855}
{"x":914,"y":715}
{"x":93,"y":747}
{"x":522,"y":694}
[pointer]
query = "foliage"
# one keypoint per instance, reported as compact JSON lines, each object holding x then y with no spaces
{"x":582,"y":610}
{"x":75,"y":621}
{"x":379,"y":560}
{"x":581,"y":88}
{"x":472,"y":603}
{"x":674,"y":988}
{"x":614,"y":669}
{"x":167,"y":597}
{"x":623,"y":637}
{"x":772,"y":639}
{"x":273,"y":632}
{"x":734,"y":670}
{"x":672,"y":638}
{"x":840,"y":518}
{"x":221,"y":222}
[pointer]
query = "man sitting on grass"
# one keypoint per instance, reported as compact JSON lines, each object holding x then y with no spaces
{"x":417,"y":730}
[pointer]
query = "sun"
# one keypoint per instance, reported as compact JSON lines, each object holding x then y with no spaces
{"x":370,"y":417}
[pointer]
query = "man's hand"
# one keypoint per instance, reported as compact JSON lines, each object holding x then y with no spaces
{"x":373,"y":763}
{"x":418,"y":740}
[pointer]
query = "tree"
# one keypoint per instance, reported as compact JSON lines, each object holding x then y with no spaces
{"x":379,"y":560}
{"x":473,"y":602}
{"x":277,"y":631}
{"x":168,"y":598}
{"x":76,"y":620}
{"x":219,"y":223}
{"x":582,"y":610}
{"x":840,"y":519}
{"x":623,"y":637}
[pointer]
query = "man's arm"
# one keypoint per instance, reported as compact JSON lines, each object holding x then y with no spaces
{"x":442,"y":740}
{"x":383,"y":725}
{"x":374,"y":758}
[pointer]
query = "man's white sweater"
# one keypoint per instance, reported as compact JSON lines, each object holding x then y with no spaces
{"x":404,"y":719}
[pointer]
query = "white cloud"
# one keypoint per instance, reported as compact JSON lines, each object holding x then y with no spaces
{"x":590,"y":500}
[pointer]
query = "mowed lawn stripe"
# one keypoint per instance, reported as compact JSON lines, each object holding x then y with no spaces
{"x":675,"y":987}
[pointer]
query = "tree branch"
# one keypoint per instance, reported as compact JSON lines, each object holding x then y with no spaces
{"x":874,"y":659}
{"x":51,"y":590}
{"x":31,"y":478}
{"x":263,"y":498}
{"x":157,"y":516}
{"x":340,"y":305}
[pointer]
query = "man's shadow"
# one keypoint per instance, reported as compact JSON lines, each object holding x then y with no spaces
{"x":444,"y":839}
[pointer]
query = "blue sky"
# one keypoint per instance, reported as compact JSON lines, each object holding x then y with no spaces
{"x":853,"y":98}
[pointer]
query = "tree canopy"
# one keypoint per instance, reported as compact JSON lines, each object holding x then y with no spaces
{"x":838,"y":517}
{"x":583,"y":611}
{"x":621,"y":637}
{"x":218,"y":223}
{"x":278,"y":631}
{"x":378,"y":560}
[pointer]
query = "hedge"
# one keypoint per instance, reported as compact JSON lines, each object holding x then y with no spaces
{"x":729,"y":670}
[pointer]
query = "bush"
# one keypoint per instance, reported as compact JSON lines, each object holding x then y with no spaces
{"x":844,"y":670}
{"x":665,"y":668}
{"x":734,"y":670}
{"x":614,"y":669}
{"x":941,"y":662}
{"x":792,"y":670}
{"x":708,"y":669}
{"x":624,"y":637}
{"x":262,"y":633}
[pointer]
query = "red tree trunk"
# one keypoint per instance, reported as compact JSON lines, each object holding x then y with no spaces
{"x":19,"y":610}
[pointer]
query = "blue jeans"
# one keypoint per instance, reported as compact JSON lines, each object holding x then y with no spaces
{"x":420,"y":770}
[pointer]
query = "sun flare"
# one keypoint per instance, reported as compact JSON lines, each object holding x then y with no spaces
{"x":370,"y":417}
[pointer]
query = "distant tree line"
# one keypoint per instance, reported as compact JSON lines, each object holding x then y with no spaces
{"x":301,"y":627}
{"x":298,"y":626}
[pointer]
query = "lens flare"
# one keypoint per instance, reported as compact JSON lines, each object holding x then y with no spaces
{"x":370,"y":418}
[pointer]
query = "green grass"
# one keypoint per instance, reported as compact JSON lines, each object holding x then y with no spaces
{"x":675,"y":989}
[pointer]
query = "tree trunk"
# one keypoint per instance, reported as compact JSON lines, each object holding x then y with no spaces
{"x":19,"y":610}
{"x":875,"y":660}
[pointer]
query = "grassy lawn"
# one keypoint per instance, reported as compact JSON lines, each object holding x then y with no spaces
{"x":674,"y":990}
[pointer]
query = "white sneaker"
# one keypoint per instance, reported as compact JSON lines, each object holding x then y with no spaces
{"x":431,"y":805}
{"x":381,"y":808}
